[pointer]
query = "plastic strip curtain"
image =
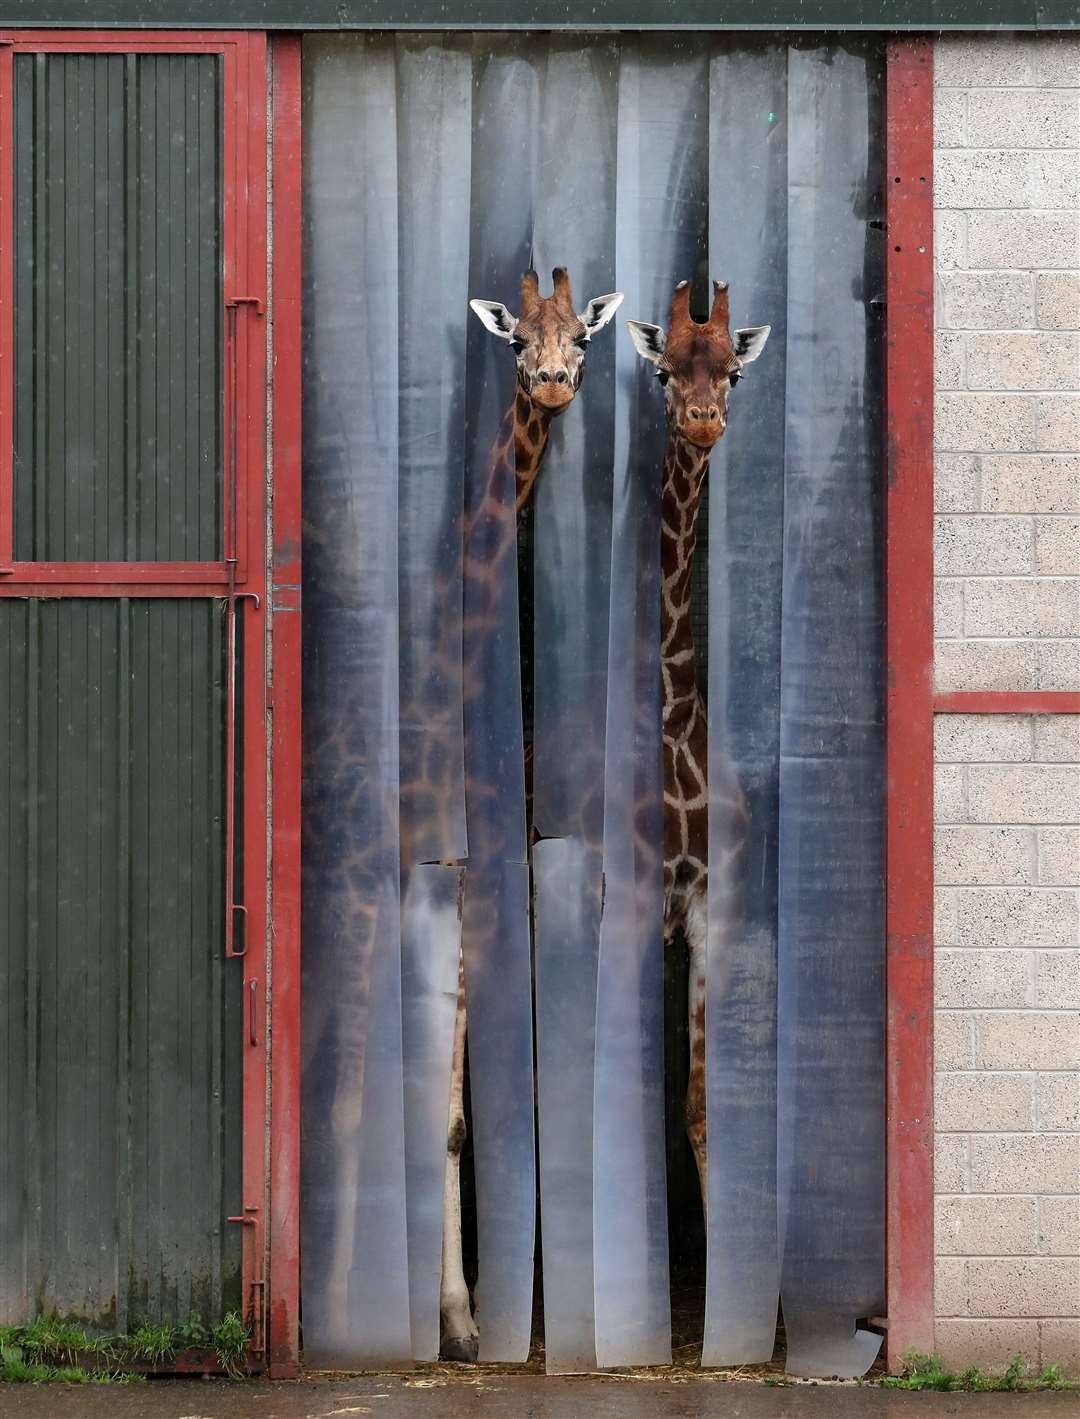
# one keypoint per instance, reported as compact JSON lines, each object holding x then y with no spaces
{"x":463,"y":162}
{"x":575,"y":228}
{"x":356,"y":1293}
{"x":434,"y":93}
{"x":831,"y":912}
{"x":662,"y":193}
{"x":430,"y":948}
{"x":748,"y":248}
{"x":431,"y":246}
{"x":495,"y":931}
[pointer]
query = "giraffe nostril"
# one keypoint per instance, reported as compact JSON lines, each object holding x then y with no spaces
{"x":562,"y":377}
{"x":714,"y":412}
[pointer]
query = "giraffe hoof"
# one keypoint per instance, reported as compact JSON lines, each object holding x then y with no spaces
{"x":460,"y":1349}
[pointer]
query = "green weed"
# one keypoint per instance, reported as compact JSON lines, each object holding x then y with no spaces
{"x":1052,"y":1378}
{"x":152,"y":1344}
{"x":926,"y":1372}
{"x":19,"y":1371}
{"x":57,"y":1342}
{"x":193,"y":1335}
{"x":229,"y":1339}
{"x":51,"y":1349}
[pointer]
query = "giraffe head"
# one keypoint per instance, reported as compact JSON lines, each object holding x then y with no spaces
{"x":698,"y":365}
{"x":549,"y":337}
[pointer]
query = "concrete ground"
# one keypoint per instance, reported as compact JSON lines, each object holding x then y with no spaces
{"x":511,"y":1397}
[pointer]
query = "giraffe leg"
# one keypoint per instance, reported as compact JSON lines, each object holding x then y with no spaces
{"x":459,"y":1333}
{"x":695,"y":1090}
{"x":346,"y":1118}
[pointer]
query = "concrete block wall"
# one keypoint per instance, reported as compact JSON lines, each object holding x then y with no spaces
{"x":1007,"y":617}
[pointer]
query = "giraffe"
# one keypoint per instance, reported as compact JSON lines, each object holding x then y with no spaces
{"x":697,"y":365}
{"x":549,"y":339}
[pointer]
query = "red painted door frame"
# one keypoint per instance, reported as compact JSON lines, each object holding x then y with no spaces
{"x":909,"y":725}
{"x":284,"y":1240}
{"x":244,"y":193}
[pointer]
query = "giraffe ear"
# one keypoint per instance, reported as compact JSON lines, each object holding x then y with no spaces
{"x":648,"y":340}
{"x":496,"y":318}
{"x":600,"y":310}
{"x":750,"y":342}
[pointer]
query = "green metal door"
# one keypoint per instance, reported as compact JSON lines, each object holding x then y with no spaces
{"x":118,"y":1164}
{"x":128,"y":1038}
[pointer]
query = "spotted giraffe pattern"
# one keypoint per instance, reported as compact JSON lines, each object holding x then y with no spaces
{"x":489,"y":537}
{"x":549,"y":340}
{"x":686,"y":772}
{"x":698,"y":365}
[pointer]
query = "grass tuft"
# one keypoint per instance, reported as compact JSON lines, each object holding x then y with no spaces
{"x":925,"y":1372}
{"x":152,"y":1344}
{"x":51,"y":1349}
{"x":229,"y":1339}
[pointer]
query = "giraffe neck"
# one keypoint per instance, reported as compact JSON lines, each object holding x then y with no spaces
{"x":517,"y":454}
{"x":684,"y":473}
{"x":530,"y":426}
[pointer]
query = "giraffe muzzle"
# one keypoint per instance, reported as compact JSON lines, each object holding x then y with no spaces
{"x":704,"y":424}
{"x":552,"y":390}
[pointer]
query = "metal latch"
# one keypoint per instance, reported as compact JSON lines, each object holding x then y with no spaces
{"x":256,"y":301}
{"x":257,"y":1300}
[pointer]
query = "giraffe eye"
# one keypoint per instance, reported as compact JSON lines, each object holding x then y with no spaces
{"x":733,"y":378}
{"x":517,"y":346}
{"x":663,"y":376}
{"x":582,"y":342}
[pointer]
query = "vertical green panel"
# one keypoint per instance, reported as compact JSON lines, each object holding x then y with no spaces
{"x":120,"y":1022}
{"x":16,"y":770}
{"x":118,"y":307}
{"x":26,"y":347}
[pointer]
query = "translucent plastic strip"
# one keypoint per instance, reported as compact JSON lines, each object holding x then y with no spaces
{"x":498,"y":985}
{"x":355,"y":1280}
{"x":434,"y":77}
{"x":747,"y":248}
{"x":831,"y":934}
{"x":661,"y":220}
{"x":566,"y":908}
{"x":430,"y":950}
{"x":575,"y":228}
{"x":432,"y":242}
{"x":495,"y":928}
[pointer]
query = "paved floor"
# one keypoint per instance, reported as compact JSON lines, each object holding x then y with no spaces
{"x":511,"y":1397}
